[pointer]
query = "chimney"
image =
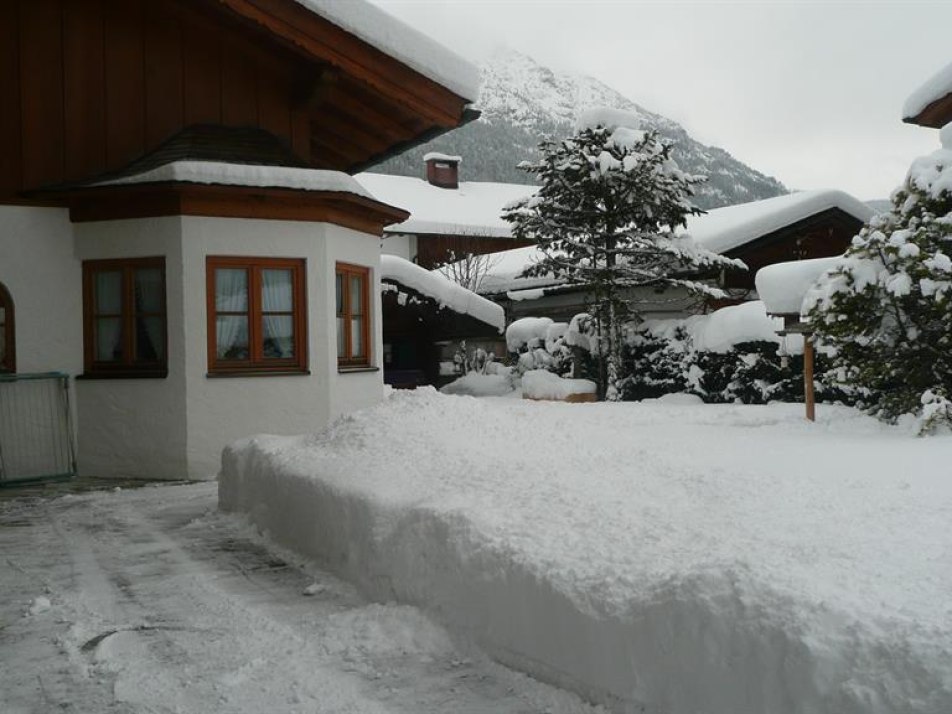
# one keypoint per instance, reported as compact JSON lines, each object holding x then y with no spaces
{"x":442,"y":170}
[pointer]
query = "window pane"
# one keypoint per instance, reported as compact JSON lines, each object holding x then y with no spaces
{"x":278,"y":336}
{"x":341,"y":338}
{"x":231,"y":335}
{"x":276,"y":291}
{"x":108,"y":339}
{"x":109,"y":293}
{"x":231,"y":290}
{"x":148,"y":287}
{"x":357,"y":337}
{"x":150,"y":339}
{"x":340,"y":294}
{"x":356,"y":295}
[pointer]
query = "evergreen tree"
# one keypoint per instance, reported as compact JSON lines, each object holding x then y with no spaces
{"x":604,"y":218}
{"x":886,"y":309}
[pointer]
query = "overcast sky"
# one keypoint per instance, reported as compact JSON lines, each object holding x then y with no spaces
{"x":809,"y":92}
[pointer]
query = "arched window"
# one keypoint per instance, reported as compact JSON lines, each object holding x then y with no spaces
{"x":7,"y":343}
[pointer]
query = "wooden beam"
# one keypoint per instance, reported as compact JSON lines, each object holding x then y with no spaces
{"x":808,"y":394}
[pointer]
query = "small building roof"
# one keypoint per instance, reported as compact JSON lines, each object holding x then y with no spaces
{"x":931,"y":103}
{"x":721,"y":230}
{"x":473,"y":209}
{"x":444,"y":291}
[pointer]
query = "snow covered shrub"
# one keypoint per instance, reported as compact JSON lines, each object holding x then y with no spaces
{"x":477,"y":361}
{"x":539,"y":343}
{"x":886,"y":308}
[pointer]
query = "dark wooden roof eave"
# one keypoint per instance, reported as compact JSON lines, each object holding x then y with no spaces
{"x":146,"y":200}
{"x":935,"y":115}
{"x":814,"y":221}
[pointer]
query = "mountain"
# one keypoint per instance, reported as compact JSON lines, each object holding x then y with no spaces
{"x":522,"y":102}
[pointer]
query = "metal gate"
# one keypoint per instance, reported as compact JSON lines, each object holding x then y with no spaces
{"x":36,"y":433}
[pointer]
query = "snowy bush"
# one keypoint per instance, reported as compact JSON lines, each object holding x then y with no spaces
{"x":539,"y":343}
{"x":732,"y":355}
{"x":886,"y":308}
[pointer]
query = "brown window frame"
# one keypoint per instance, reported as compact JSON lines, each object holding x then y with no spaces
{"x":257,"y":363}
{"x":9,"y":361}
{"x":348,"y":360}
{"x":128,"y":367}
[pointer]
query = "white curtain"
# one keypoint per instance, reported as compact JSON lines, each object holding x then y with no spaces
{"x":277,"y":296}
{"x":231,"y":295}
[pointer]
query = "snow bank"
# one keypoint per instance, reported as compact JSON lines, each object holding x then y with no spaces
{"x":657,"y":558}
{"x":783,"y":286}
{"x":542,"y":384}
{"x":480,"y":385}
{"x":377,"y":27}
{"x":934,"y":89}
{"x":220,"y":172}
{"x":444,"y":291}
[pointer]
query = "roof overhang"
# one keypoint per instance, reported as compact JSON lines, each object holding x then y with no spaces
{"x":936,"y":114}
{"x":107,"y":203}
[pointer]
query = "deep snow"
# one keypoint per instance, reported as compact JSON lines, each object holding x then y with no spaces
{"x":656,"y":557}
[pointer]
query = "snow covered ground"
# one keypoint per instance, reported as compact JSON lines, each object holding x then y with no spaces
{"x":152,"y":601}
{"x":655,"y":557}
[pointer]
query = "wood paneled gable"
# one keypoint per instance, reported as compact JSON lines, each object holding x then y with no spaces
{"x":91,"y":85}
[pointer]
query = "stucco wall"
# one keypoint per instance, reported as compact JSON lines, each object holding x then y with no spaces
{"x":38,"y":267}
{"x":222,"y":409}
{"x":136,"y":428}
{"x":401,"y":244}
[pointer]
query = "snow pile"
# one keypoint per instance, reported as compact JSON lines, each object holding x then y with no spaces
{"x":783,"y":286}
{"x":935,"y":88}
{"x":542,"y":384}
{"x":665,"y":558}
{"x":721,"y":330}
{"x":531,"y":332}
{"x":378,"y":28}
{"x":480,"y":385}
{"x":444,"y":291}
{"x":473,"y":209}
{"x":223,"y":173}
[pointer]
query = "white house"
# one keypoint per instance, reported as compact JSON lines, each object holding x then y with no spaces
{"x":178,"y":226}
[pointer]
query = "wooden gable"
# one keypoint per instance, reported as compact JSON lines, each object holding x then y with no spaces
{"x":90,"y":85}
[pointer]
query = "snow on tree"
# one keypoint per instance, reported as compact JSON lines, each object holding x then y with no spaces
{"x":886,"y":308}
{"x":605,"y":217}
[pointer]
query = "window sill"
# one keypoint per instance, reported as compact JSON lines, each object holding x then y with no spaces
{"x":259,"y":373}
{"x":124,"y":374}
{"x":356,"y":368}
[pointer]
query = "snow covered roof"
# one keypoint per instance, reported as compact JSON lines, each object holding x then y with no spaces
{"x":473,"y":209}
{"x":724,"y":229}
{"x":444,"y":291}
{"x":437,"y":156}
{"x":413,"y":48}
{"x":782,"y":286}
{"x":720,"y":230}
{"x":935,"y":89}
{"x":229,"y":174}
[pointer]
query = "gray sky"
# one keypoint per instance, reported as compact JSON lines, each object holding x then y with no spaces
{"x":809,"y":92}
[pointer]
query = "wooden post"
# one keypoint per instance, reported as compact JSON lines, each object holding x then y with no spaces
{"x":808,"y":377}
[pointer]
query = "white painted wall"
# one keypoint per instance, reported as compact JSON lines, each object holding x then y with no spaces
{"x":401,"y":244}
{"x":136,"y":428}
{"x":38,"y":267}
{"x":222,"y":409}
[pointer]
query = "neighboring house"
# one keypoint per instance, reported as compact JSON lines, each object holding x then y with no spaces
{"x":177,"y":223}
{"x":426,"y":317}
{"x":931,"y":104}
{"x":449,"y":218}
{"x":809,"y":224}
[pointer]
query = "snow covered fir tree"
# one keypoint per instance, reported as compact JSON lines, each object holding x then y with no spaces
{"x":605,"y":217}
{"x":886,"y":309}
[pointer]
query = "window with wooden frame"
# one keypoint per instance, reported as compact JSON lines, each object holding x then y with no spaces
{"x":124,"y":320}
{"x":257,"y":315}
{"x":353,"y":316}
{"x":8,"y":360}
